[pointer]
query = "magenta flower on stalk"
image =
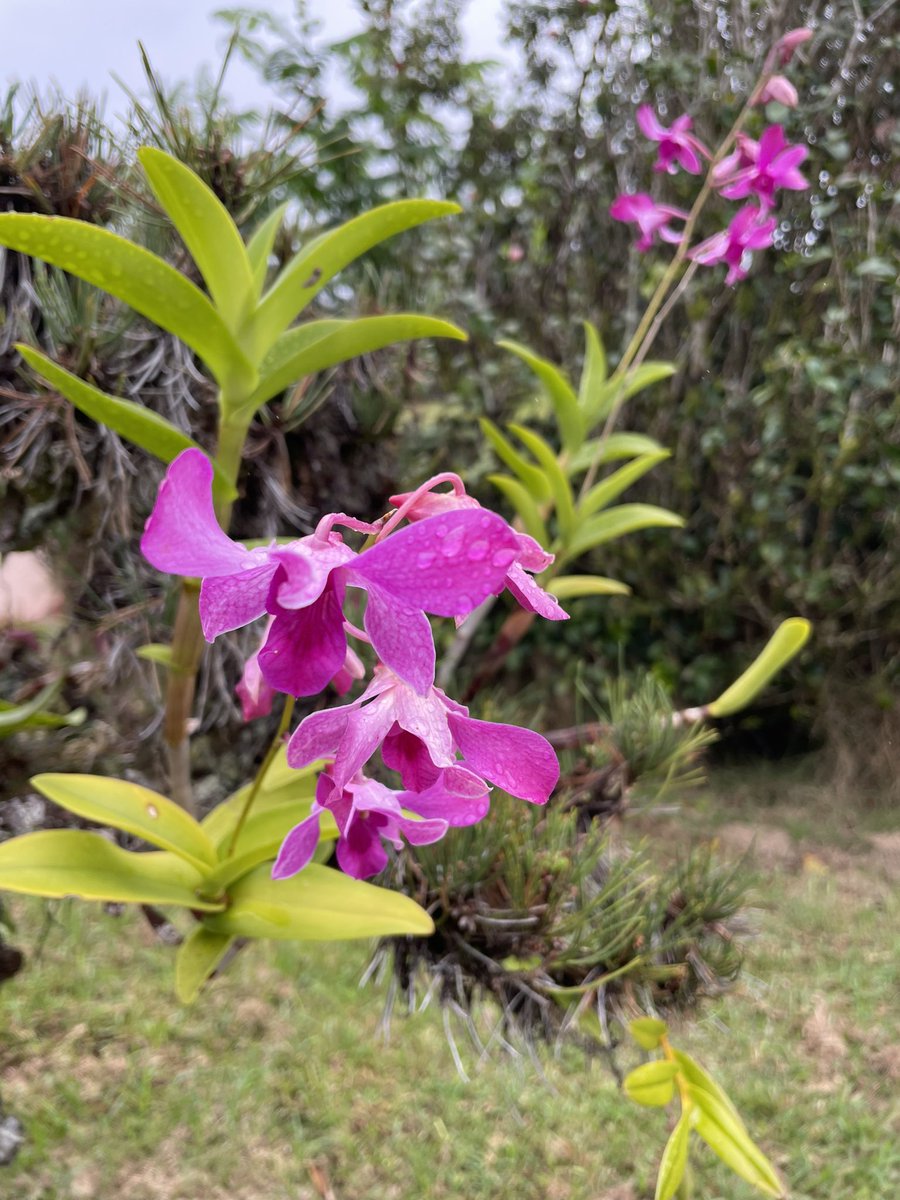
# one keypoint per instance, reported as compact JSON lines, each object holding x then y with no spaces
{"x":677,"y":145}
{"x":651,"y":218}
{"x":367,"y":813}
{"x":747,"y":231}
{"x":531,"y":558}
{"x":773,"y":164}
{"x":422,"y":735}
{"x":446,"y":566}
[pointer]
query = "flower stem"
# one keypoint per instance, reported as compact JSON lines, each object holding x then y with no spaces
{"x":286,"y":715}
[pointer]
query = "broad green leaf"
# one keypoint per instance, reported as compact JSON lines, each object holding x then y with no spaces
{"x":674,"y":1159}
{"x":593,"y":373}
{"x":616,"y":522}
{"x":138,"y":424}
{"x":611,"y":488}
{"x":71,"y":862}
{"x":616,"y":446}
{"x":652,"y":1084}
{"x":207,"y":230}
{"x":320,"y":344}
{"x":260,"y":840}
{"x":601,"y":403}
{"x":31,"y":714}
{"x":647,"y":1031}
{"x":260,"y":245}
{"x":318,"y":904}
{"x":143,"y":280}
{"x":787,"y":640}
{"x":570,"y":587}
{"x":713,"y":1121}
{"x":282,"y":785}
{"x":695,"y":1075}
{"x":556,"y":477}
{"x":196,"y":959}
{"x":533,"y":478}
{"x":133,"y":808}
{"x":307,"y":273}
{"x":558,"y":388}
{"x":526,"y":508}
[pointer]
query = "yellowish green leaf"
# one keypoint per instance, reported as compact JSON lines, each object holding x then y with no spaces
{"x":524,"y":505}
{"x":531,"y":476}
{"x":260,"y":245}
{"x":653,"y":1084}
{"x":603,"y":399}
{"x":196,"y":959}
{"x":612,"y":486}
{"x":729,"y":1140}
{"x":674,"y":1159}
{"x":133,"y":808}
{"x":555,"y":475}
{"x":560,"y":391}
{"x":615,"y":523}
{"x":593,"y":373}
{"x":318,"y":904}
{"x":570,"y":587}
{"x":616,"y":446}
{"x":71,"y":862}
{"x":647,"y":1031}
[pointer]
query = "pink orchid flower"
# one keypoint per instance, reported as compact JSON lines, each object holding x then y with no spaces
{"x":518,"y":760}
{"x":677,"y":145}
{"x":446,"y":567}
{"x":531,"y":557}
{"x":775,"y":166}
{"x":365,"y":813}
{"x":747,"y":231}
{"x":651,"y":218}
{"x":784,"y":48}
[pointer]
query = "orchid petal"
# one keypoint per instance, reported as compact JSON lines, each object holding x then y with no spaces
{"x":444,"y":565}
{"x":297,"y":848}
{"x":402,"y":638}
{"x":306,"y":647}
{"x":232,"y":601}
{"x":457,"y":796}
{"x":520,"y":761}
{"x":182,"y":535}
{"x":532,"y":596}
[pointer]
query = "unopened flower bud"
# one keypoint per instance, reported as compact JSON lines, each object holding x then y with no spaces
{"x":778,"y":88}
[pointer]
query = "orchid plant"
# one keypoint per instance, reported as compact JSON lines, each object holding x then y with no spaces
{"x":253,"y":866}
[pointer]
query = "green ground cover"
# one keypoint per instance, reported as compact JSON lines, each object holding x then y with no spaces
{"x":283,"y":1085}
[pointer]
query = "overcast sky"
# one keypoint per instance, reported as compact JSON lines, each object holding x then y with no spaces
{"x":83,"y":42}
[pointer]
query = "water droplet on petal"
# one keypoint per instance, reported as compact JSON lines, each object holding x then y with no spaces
{"x":486,"y":522}
{"x":503,"y":558}
{"x":478,"y":550}
{"x":440,"y":530}
{"x":453,"y":543}
{"x":425,"y":559}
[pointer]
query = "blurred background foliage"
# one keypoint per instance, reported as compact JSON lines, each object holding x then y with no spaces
{"x":782,"y":416}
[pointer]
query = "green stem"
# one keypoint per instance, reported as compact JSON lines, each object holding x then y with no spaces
{"x":686,"y":1187}
{"x":286,"y":714}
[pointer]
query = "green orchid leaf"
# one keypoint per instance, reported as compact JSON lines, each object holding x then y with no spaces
{"x":556,"y":477}
{"x":601,"y":403}
{"x":71,"y":862}
{"x":319,"y":261}
{"x":260,"y":840}
{"x":570,"y":587}
{"x":260,"y":245}
{"x":320,"y":344}
{"x":694,"y":1074}
{"x":729,"y":1140}
{"x":788,"y":639}
{"x":206,"y":228}
{"x":524,"y":505}
{"x":532,"y":478}
{"x":653,"y":1084}
{"x":318,"y":904}
{"x":142,"y":280}
{"x":282,"y":785}
{"x":558,"y":388}
{"x":616,"y":446}
{"x":139,"y":425}
{"x":616,"y":522}
{"x":674,"y":1160}
{"x":196,"y":959}
{"x":594,"y":371}
{"x":31,"y":715}
{"x":133,"y":808}
{"x":648,"y":1032}
{"x":611,"y":488}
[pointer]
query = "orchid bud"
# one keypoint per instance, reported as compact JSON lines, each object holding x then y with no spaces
{"x":788,"y":43}
{"x":778,"y":88}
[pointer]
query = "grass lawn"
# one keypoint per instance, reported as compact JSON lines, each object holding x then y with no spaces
{"x":281,"y":1085}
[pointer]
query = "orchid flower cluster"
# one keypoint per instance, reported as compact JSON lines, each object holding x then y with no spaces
{"x":448,"y":558}
{"x":755,"y":170}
